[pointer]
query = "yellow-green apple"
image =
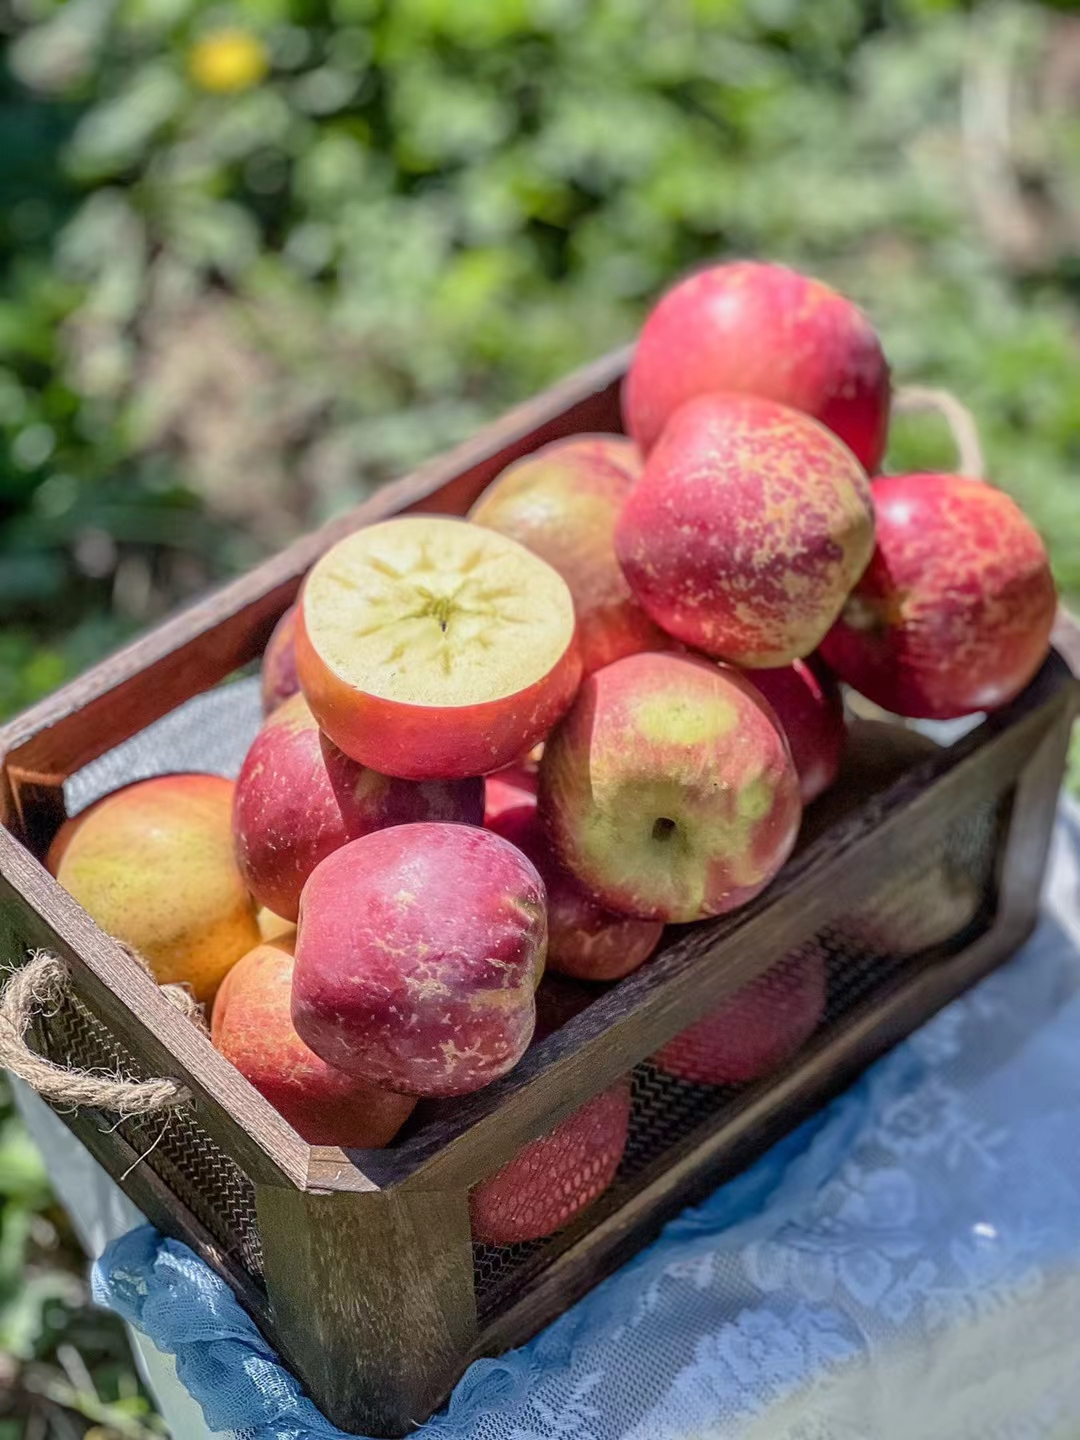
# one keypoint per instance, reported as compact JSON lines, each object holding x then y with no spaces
{"x":275,"y":927}
{"x":552,"y":1179}
{"x":278,"y":678}
{"x":252,"y":1027}
{"x":153,"y":864}
{"x":762,"y":330}
{"x":562,"y":503}
{"x":807,"y":702}
{"x":431,"y":649}
{"x":747,"y":531}
{"x":419,"y":949}
{"x":954,"y":613}
{"x":298,"y":797}
{"x":669,"y":791}
{"x":756,"y":1028}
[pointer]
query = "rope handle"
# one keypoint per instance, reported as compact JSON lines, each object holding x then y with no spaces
{"x":913,"y":399}
{"x":39,"y":987}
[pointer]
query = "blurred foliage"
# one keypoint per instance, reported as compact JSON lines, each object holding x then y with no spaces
{"x":257,"y":257}
{"x":65,"y":1371}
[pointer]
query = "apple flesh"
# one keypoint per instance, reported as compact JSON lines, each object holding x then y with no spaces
{"x":298,"y":798}
{"x":419,"y":949}
{"x":668,"y":792}
{"x":585,"y":940}
{"x":747,"y":531}
{"x":553,"y":1179}
{"x":153,"y":864}
{"x":807,"y":702}
{"x":756,"y":1029}
{"x":252,"y":1028}
{"x":562,"y":503}
{"x":278,"y":678}
{"x":954,"y":613}
{"x":433,"y":649}
{"x":762,"y":330}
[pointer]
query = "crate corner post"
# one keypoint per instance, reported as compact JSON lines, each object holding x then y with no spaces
{"x":374,"y":1290}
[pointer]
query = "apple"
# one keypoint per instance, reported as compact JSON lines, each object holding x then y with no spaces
{"x":298,"y":797}
{"x":278,"y":678}
{"x":585,"y":940}
{"x":755,"y":1029}
{"x":433,"y":649}
{"x":807,"y":702}
{"x":275,"y":927}
{"x":562,"y":503}
{"x":153,"y":864}
{"x":763,"y":330}
{"x":748,"y":529}
{"x":507,"y":791}
{"x":954,"y":613}
{"x":668,"y":791}
{"x":252,"y":1028}
{"x":553,"y":1179}
{"x":419,"y":949}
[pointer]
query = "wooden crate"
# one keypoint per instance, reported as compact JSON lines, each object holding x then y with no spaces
{"x":359,"y":1267}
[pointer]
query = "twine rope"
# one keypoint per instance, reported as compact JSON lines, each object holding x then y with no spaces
{"x":910,"y":399}
{"x":39,"y":987}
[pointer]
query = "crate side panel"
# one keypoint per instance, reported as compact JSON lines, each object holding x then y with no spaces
{"x":931,"y":909}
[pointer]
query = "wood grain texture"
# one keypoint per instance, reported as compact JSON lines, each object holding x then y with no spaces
{"x":375,"y":1296}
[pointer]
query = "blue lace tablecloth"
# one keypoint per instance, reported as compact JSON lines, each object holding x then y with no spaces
{"x":906,"y":1265}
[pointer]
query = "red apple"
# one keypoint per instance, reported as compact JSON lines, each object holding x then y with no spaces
{"x":954,"y":613}
{"x":298,"y":797}
{"x":562,"y":503}
{"x":553,"y":1179}
{"x":418,"y":953}
{"x":746,"y":532}
{"x":433,"y":649}
{"x":668,"y":791}
{"x":153,"y":865}
{"x":761,"y":330}
{"x":807,"y":702}
{"x":252,"y":1028}
{"x":278,"y":679}
{"x":507,"y":791}
{"x":585,"y":940}
{"x":754,"y":1030}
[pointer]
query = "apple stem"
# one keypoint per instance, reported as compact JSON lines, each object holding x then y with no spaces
{"x":909,"y":399}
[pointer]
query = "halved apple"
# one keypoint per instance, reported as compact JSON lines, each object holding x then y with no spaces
{"x":430,"y":649}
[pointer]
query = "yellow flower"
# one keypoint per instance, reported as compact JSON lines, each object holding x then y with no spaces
{"x":228,"y":60}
